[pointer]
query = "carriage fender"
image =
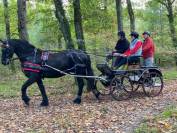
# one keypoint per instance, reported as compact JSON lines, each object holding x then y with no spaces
{"x":156,"y":70}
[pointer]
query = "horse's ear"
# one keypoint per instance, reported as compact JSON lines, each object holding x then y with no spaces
{"x":1,"y":43}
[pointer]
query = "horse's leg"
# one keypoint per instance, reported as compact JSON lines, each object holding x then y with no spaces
{"x":43,"y":93}
{"x":29,"y":82}
{"x":80,"y":83}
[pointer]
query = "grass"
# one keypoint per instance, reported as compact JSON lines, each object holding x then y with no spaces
{"x":10,"y":83}
{"x":10,"y":86}
{"x":169,"y":74}
{"x":166,"y":122}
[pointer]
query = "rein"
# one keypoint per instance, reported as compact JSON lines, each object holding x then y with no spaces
{"x":17,"y":58}
{"x":88,"y":53}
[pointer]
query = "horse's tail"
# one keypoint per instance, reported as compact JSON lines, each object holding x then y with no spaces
{"x":91,"y":86}
{"x":90,"y":81}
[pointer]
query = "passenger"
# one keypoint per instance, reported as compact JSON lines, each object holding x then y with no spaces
{"x":134,"y":52}
{"x":148,"y":50}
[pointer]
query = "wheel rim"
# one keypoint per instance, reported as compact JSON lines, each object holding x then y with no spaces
{"x":152,"y":84}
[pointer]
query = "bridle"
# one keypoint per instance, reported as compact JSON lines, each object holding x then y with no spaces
{"x":17,"y":58}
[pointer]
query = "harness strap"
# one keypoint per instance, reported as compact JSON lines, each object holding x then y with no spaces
{"x":32,"y":67}
{"x":78,"y":76}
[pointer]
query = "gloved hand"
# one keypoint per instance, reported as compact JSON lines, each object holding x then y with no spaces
{"x":108,"y":57}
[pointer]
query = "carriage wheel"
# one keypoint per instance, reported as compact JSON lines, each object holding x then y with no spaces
{"x":121,"y":88}
{"x":152,"y":84}
{"x":103,"y":86}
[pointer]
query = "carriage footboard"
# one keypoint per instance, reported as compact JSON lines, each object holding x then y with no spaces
{"x":105,"y":69}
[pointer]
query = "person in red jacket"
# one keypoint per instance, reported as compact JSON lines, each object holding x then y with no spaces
{"x":148,"y":50}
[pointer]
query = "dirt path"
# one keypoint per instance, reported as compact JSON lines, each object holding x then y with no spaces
{"x":63,"y":116}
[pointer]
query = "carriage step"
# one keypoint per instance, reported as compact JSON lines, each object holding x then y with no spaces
{"x":134,"y":78}
{"x":157,"y":85}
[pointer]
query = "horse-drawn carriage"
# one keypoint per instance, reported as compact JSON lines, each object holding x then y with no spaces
{"x":121,"y":83}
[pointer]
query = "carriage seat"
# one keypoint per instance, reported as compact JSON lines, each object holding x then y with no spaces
{"x":136,"y":60}
{"x":135,"y":63}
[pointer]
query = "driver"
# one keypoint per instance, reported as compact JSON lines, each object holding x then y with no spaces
{"x":121,"y":46}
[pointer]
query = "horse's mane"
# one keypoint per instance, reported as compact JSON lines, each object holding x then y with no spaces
{"x":20,"y":43}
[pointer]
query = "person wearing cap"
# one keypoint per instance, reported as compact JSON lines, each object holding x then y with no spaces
{"x":121,"y":47}
{"x":134,"y":52}
{"x":148,"y":50}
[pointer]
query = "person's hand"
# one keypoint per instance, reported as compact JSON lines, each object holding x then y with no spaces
{"x":108,"y":57}
{"x":118,"y":54}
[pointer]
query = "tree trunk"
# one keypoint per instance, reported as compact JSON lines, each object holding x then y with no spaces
{"x":7,"y":20}
{"x":171,"y":22}
{"x":169,"y":5}
{"x":119,"y":15}
{"x":78,"y":25}
{"x":22,"y":28}
{"x":131,"y":15}
{"x":64,"y":24}
{"x":59,"y":41}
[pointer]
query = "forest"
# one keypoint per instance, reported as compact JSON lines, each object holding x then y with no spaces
{"x":91,"y":26}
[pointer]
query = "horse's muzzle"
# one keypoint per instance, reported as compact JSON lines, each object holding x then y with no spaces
{"x":5,"y":62}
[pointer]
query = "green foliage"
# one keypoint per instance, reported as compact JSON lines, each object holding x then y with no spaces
{"x":95,"y":18}
{"x":99,"y":24}
{"x":2,"y":26}
{"x":44,"y":29}
{"x":13,"y":20}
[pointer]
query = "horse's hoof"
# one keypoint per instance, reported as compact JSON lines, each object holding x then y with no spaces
{"x":43,"y":104}
{"x":26,"y":104}
{"x":26,"y":100}
{"x":97,"y":95}
{"x":77,"y":101}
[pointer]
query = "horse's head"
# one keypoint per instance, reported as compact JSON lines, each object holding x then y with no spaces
{"x":7,"y":52}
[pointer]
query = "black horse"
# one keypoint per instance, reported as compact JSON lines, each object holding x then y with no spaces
{"x":33,"y":60}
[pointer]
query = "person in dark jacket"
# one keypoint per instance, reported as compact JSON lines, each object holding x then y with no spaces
{"x":122,"y":44}
{"x":121,"y":47}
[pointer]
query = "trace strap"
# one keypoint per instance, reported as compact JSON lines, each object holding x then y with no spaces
{"x":78,"y":76}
